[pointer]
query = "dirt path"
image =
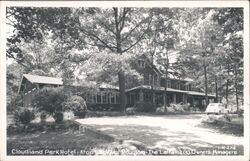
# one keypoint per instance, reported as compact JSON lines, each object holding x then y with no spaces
{"x":174,"y":133}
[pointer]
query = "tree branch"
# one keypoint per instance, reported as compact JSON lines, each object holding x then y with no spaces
{"x":140,"y":38}
{"x":95,"y":37}
{"x":106,"y":26}
{"x":13,"y":23}
{"x":132,"y":30}
{"x":123,"y":18}
{"x":12,"y":57}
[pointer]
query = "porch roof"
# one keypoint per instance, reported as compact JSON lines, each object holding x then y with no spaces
{"x":194,"y":93}
{"x":199,"y":93}
{"x":43,"y":79}
{"x":155,"y":88}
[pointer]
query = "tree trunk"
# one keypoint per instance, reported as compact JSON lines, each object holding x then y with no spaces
{"x":205,"y":75}
{"x":236,"y":88}
{"x":216,"y":90}
{"x":227,"y":86}
{"x":152,"y":83}
{"x":121,"y":78}
{"x":166,"y":86}
{"x":152,"y":92}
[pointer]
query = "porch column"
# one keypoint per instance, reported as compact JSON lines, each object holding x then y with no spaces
{"x":184,"y":98}
{"x":154,"y":95}
{"x":141,"y":96}
{"x":174,"y":98}
{"x":101,"y":97}
{"x":37,"y":86}
{"x":190,"y":100}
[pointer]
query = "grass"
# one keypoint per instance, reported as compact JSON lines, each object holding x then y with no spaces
{"x":62,"y":139}
{"x":141,"y":132}
{"x":168,"y":133}
{"x":233,"y":127}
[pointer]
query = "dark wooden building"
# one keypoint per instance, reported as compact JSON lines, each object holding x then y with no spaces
{"x":31,"y":83}
{"x":178,"y":90}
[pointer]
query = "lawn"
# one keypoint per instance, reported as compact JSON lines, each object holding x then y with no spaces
{"x":134,"y":135}
{"x":54,"y":142}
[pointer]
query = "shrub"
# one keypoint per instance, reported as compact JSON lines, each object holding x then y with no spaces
{"x":15,"y":102}
{"x":130,"y":110}
{"x":77,"y":105}
{"x":50,"y":100}
{"x":173,"y":108}
{"x":68,"y":115}
{"x":216,"y":118}
{"x":23,"y":115}
{"x":43,"y":116}
{"x":144,"y":107}
{"x":58,"y":116}
{"x":160,"y":109}
{"x":177,"y":107}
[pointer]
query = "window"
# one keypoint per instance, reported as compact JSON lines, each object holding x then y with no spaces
{"x":168,"y":84}
{"x":178,"y":85}
{"x":117,"y":97}
{"x":150,"y":79}
{"x":146,"y":79}
{"x":112,"y":98}
{"x":90,"y":98}
{"x":173,"y":85}
{"x":141,"y":63}
{"x":156,"y":80}
{"x":99,"y":98}
{"x":190,"y":87}
{"x":147,"y":96}
{"x":104,"y":98}
{"x":182,"y":85}
{"x":203,"y":102}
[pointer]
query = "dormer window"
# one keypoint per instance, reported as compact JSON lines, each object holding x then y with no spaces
{"x":188,"y":87}
{"x":141,"y":63}
{"x":168,"y":83}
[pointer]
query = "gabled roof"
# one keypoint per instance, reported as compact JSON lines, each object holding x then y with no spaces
{"x":43,"y":79}
{"x":145,"y":57}
{"x":169,"y":90}
{"x":40,"y":80}
{"x":157,"y":67}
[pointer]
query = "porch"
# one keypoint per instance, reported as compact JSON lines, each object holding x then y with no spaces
{"x":173,"y":96}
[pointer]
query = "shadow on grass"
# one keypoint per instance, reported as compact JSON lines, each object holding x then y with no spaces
{"x":178,"y":141}
{"x":224,"y":128}
{"x":67,"y":139}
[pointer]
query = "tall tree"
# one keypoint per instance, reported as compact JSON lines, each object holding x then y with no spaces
{"x":204,"y":40}
{"x":231,"y":20}
{"x":116,"y":30}
{"x":159,"y":40}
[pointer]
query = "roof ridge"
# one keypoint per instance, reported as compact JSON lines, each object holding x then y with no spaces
{"x":42,"y":76}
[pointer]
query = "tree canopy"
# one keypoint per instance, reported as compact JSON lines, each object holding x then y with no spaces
{"x":100,"y":43}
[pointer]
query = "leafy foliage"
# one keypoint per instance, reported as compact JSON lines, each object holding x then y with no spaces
{"x":144,"y":106}
{"x":23,"y":115}
{"x":50,"y":100}
{"x":76,"y":104}
{"x":13,"y":76}
{"x":98,"y":43}
{"x":58,"y":116}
